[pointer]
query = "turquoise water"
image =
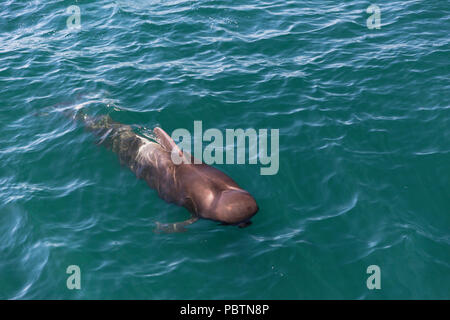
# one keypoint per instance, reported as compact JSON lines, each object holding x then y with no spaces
{"x":364,"y":120}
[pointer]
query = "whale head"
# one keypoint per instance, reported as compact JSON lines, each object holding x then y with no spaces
{"x":235,"y":206}
{"x":207,"y":191}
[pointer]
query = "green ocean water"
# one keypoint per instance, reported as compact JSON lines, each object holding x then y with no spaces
{"x":364,"y":122}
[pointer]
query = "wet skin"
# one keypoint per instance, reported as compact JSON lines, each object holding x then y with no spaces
{"x":205,"y":191}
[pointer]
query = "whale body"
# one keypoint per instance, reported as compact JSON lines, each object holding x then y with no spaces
{"x":205,"y":191}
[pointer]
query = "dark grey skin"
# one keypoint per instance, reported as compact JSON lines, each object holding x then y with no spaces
{"x":205,"y":191}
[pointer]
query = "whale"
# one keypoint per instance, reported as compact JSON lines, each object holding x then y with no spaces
{"x":205,"y":191}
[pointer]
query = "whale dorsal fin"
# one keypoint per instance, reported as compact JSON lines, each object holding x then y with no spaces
{"x":167,"y":143}
{"x":165,"y":140}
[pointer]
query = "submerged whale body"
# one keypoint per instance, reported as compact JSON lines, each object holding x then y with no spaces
{"x":205,"y":191}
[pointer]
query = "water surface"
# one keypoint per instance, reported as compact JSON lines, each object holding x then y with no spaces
{"x":363,"y":114}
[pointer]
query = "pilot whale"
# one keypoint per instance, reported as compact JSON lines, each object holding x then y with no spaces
{"x":205,"y":191}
